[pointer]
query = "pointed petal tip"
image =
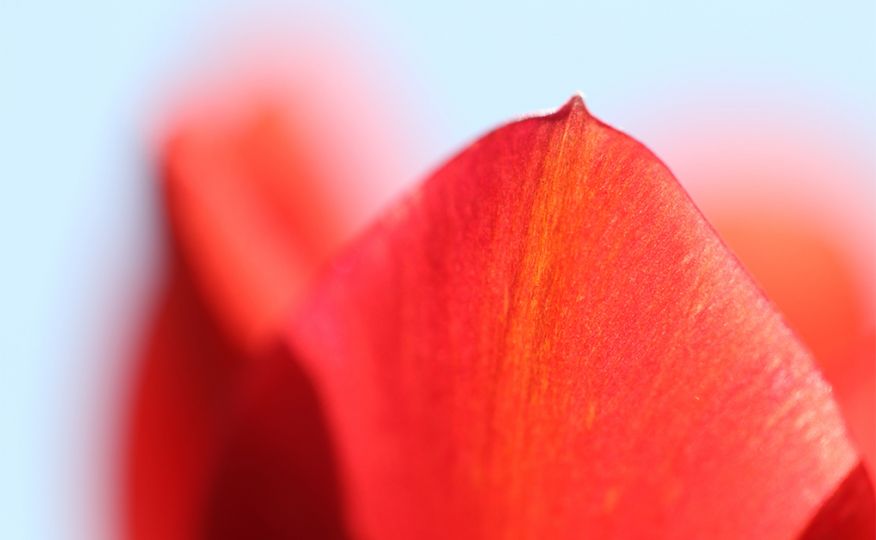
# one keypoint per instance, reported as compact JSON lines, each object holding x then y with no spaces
{"x":573,"y":109}
{"x":575,"y":104}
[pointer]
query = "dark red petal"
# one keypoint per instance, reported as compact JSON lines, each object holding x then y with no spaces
{"x":276,"y":476}
{"x":179,"y":416}
{"x":848,"y":513}
{"x":547,"y":340}
{"x":250,"y":219}
{"x":222,"y":446}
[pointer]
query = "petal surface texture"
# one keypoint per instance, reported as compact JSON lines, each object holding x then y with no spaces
{"x":547,"y":340}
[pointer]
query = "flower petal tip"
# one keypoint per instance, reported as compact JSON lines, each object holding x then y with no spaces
{"x":575,"y":105}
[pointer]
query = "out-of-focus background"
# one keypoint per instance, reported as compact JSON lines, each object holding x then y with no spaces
{"x":761,"y":109}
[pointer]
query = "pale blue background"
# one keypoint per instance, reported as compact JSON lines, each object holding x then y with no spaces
{"x":77,"y":236}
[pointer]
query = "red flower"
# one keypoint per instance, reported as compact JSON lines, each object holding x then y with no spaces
{"x":546,"y":339}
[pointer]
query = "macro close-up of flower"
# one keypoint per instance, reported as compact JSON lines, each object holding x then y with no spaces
{"x":346,"y":277}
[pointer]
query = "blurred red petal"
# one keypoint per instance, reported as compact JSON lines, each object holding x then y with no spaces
{"x":254,"y":207}
{"x":249,"y":228}
{"x":179,"y":417}
{"x":251,"y":213}
{"x":221,"y":446}
{"x":547,"y":340}
{"x":265,"y":173}
{"x":242,"y":255}
{"x":272,"y":164}
{"x":276,"y":476}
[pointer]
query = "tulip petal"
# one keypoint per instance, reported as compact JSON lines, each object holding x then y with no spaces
{"x":276,"y":475}
{"x":251,"y":217}
{"x":222,"y":444}
{"x":809,"y":277}
{"x":848,"y":513}
{"x":179,"y":415}
{"x":547,"y":340}
{"x":249,"y":211}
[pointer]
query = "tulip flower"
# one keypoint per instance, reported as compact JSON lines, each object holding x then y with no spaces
{"x":545,"y":339}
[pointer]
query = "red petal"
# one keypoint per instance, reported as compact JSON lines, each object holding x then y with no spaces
{"x":248,"y":207}
{"x":277,"y":476}
{"x":547,"y":340}
{"x":179,"y":417}
{"x":848,"y":513}
{"x":237,"y":194}
{"x":254,"y":206}
{"x":221,"y":447}
{"x":266,"y":176}
{"x":791,"y":195}
{"x":808,"y":276}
